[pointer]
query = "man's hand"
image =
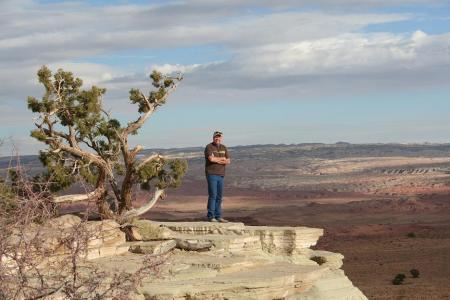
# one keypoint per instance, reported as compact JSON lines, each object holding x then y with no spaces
{"x":219,"y":160}
{"x":224,"y":161}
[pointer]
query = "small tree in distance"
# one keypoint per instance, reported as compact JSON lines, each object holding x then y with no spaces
{"x":415,"y":273}
{"x":399,"y":278}
{"x":85,"y":142}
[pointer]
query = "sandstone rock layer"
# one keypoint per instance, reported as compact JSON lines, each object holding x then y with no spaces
{"x":200,"y":260}
{"x":234,"y":261}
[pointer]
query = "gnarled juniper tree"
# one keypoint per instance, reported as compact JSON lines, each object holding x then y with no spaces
{"x":85,"y":142}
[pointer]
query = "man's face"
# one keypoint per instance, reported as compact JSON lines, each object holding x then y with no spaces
{"x":217,"y":139}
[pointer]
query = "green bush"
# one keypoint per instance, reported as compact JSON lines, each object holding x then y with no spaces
{"x":411,"y":235}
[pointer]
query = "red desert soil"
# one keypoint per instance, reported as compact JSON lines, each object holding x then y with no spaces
{"x":370,"y":230}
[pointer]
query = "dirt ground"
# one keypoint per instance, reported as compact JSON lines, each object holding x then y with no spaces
{"x":379,"y":237}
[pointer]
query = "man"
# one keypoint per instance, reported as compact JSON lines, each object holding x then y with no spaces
{"x":216,"y":158}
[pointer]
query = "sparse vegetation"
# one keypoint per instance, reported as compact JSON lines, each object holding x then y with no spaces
{"x":411,"y":235}
{"x":414,"y":273}
{"x":39,"y":260}
{"x":7,"y":200}
{"x":319,"y":259}
{"x":398,"y":279}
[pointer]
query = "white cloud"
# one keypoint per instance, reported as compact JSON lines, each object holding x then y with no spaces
{"x":92,"y":74}
{"x":357,"y":59}
{"x":275,"y":49}
{"x":275,"y":45}
{"x":177,"y":68}
{"x":346,"y":54}
{"x":46,"y":33}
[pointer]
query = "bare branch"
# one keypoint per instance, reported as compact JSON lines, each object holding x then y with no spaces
{"x":136,"y":150}
{"x":95,"y":159}
{"x":146,"y":207}
{"x":79,"y":197}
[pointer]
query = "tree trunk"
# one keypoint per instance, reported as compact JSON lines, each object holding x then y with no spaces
{"x":103,"y":206}
{"x":127,"y":186}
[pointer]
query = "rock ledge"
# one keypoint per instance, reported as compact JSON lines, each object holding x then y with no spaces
{"x":234,"y":261}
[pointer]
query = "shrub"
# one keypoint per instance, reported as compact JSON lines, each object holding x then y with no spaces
{"x":411,"y":235}
{"x":319,"y":259}
{"x":414,"y":272}
{"x":8,"y":202}
{"x":399,"y":278}
{"x":39,"y":262}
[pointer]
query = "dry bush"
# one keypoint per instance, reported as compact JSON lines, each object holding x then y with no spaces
{"x":43,"y":260}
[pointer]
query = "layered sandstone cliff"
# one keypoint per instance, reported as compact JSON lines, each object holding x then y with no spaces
{"x":203,"y":260}
{"x":234,"y":261}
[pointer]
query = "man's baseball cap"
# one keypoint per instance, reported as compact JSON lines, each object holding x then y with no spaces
{"x":217,"y":133}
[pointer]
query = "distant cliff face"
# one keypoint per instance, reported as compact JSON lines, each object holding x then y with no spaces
{"x":382,"y":169}
{"x":338,"y":168}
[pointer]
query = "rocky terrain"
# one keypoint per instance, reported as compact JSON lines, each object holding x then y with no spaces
{"x":202,"y":260}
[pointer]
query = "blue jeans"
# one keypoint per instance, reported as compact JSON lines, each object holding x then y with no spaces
{"x":215,"y":190}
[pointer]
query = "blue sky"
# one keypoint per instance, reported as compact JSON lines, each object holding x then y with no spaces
{"x":260,"y":71}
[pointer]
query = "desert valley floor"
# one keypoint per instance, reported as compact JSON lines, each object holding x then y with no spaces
{"x":371,"y":233}
{"x":386,"y":214}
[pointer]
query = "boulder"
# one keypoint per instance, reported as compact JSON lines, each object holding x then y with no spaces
{"x":105,"y":239}
{"x":153,"y":247}
{"x":63,"y":222}
{"x":149,"y":230}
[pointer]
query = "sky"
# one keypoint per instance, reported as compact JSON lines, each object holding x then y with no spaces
{"x":262,"y":72}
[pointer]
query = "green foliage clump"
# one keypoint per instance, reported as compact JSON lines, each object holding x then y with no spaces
{"x":66,"y":105}
{"x":58,"y":175}
{"x":155,"y":98}
{"x":411,"y":235}
{"x":166,"y":173}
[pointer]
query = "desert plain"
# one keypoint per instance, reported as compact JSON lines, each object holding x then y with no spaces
{"x":385,"y":207}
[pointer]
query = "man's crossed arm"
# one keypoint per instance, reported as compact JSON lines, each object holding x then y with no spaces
{"x":219,"y":160}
